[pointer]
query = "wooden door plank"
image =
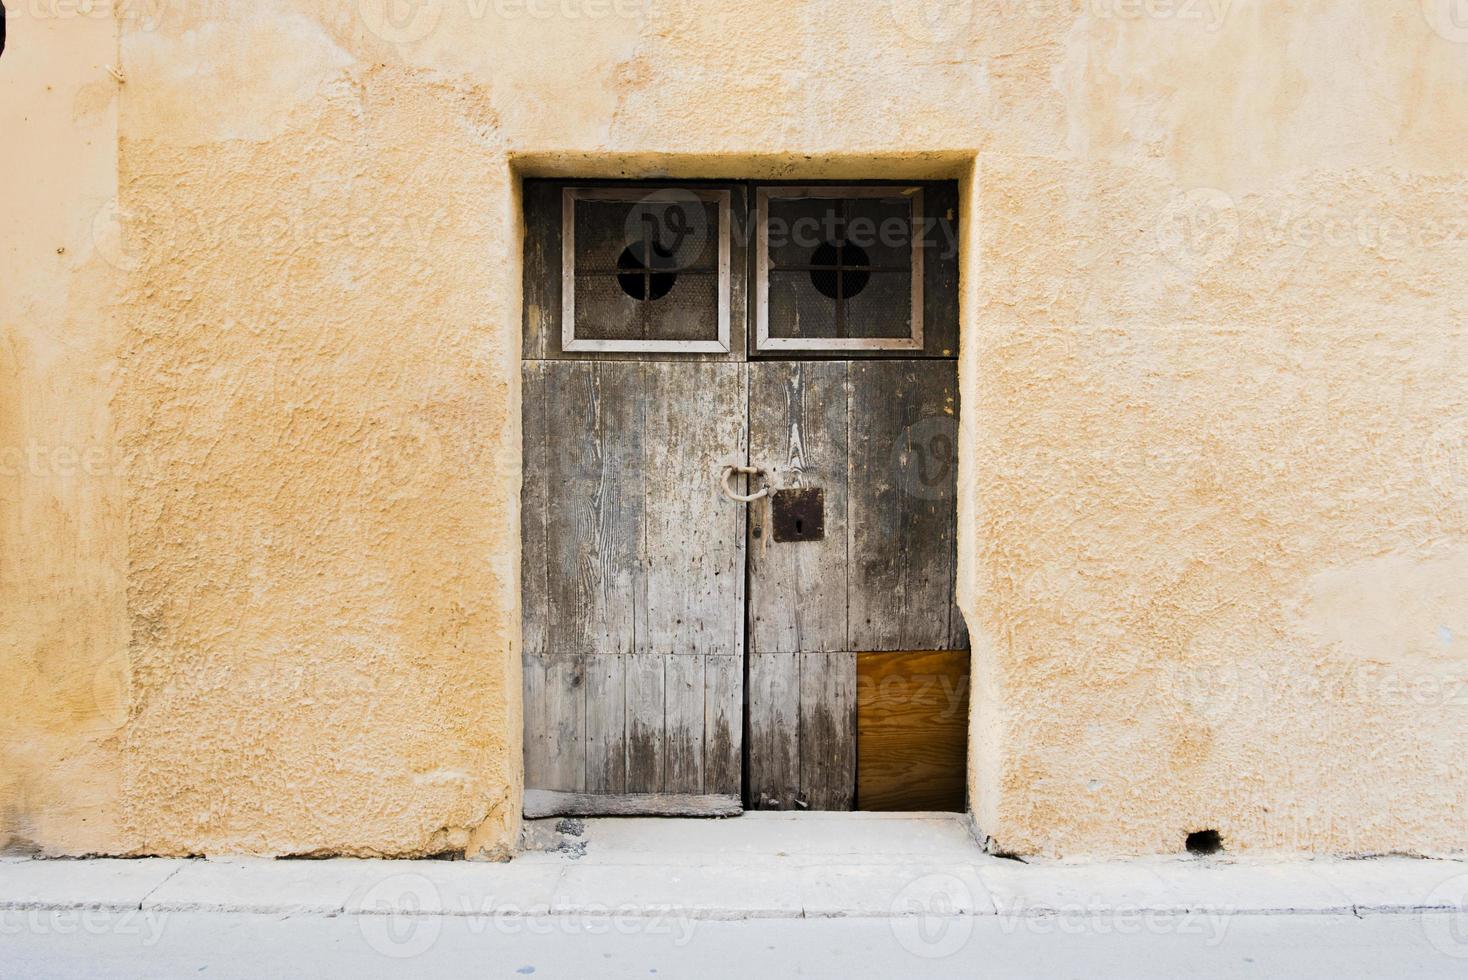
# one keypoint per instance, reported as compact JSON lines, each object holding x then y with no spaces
{"x":683,"y":694}
{"x":723,"y":726}
{"x":694,"y":417}
{"x":798,"y":425}
{"x":828,"y":730}
{"x":912,"y":730}
{"x":606,"y":723}
{"x":901,"y":509}
{"x":646,"y":724}
{"x":774,"y":731}
{"x":541,"y":285}
{"x":534,"y":584}
{"x":555,"y":722}
{"x":594,"y":506}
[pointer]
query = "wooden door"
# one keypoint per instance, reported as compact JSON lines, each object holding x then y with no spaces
{"x":634,"y":398}
{"x":877,"y":439}
{"x":652,"y":683}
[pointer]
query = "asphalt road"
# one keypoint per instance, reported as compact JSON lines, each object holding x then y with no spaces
{"x":231,"y":944}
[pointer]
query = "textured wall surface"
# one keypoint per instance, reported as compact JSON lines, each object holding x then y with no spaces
{"x":260,"y":412}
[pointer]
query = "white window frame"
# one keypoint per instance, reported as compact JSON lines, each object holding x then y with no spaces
{"x":570,"y":342}
{"x":763,"y":341}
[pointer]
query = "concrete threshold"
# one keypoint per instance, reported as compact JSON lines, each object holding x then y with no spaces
{"x":760,"y":865}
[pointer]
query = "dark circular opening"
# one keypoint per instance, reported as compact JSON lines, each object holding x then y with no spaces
{"x":1204,"y":842}
{"x":634,"y":277}
{"x":851,"y":281}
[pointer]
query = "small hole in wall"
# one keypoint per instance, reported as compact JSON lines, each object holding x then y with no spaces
{"x":1204,"y":842}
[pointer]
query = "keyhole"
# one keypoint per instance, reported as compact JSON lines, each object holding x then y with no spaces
{"x":799,"y":526}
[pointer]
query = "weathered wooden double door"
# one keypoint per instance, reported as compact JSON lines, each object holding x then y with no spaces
{"x":740,"y":420}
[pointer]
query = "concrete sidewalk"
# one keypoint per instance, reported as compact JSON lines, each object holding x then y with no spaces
{"x":917,"y":882}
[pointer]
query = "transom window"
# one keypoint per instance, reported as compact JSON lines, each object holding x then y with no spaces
{"x":645,"y":270}
{"x":839,"y":268}
{"x":728,"y":270}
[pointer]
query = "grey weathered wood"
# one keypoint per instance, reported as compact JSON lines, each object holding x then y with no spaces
{"x":723,"y":724}
{"x":555,"y":722}
{"x":694,"y":417}
{"x":774,"y":731}
{"x":639,"y":579}
{"x":901,"y":508}
{"x":541,"y":803}
{"x":828,"y":730}
{"x":541,"y":283}
{"x":534,"y":569}
{"x":685,"y":722}
{"x":606,"y":723}
{"x":594,"y":511}
{"x":646,"y":724}
{"x":797,"y":431}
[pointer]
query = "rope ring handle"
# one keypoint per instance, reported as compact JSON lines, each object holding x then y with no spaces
{"x":729,"y":472}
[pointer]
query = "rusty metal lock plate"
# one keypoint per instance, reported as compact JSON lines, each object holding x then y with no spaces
{"x":798,"y":514}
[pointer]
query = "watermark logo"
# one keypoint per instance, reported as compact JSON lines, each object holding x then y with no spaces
{"x":933,"y":21}
{"x":929,"y":916}
{"x":109,"y":237}
{"x":400,"y":455}
{"x":925,"y":458}
{"x":401,"y":916}
{"x":400,"y":21}
{"x":1449,"y":18}
{"x":1447,"y":931}
{"x":668,"y":229}
{"x":1198,"y":229}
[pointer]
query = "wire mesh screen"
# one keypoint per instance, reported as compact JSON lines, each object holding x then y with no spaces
{"x":840,"y":267}
{"x":646,"y":269}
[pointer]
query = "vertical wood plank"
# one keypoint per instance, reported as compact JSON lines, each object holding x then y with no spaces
{"x":646,"y":724}
{"x":594,"y":504}
{"x":798,"y":424}
{"x":534,"y":584}
{"x":723,"y":726}
{"x":555,"y":723}
{"x":902,"y":505}
{"x":683,"y":694}
{"x":694,"y":417}
{"x":606,"y":723}
{"x":774,"y":731}
{"x":828,"y":730}
{"x":542,"y":264}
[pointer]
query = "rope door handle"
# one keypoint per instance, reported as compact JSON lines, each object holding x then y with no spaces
{"x":729,"y":472}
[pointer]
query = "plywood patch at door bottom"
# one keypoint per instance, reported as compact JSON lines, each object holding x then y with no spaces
{"x":912,"y":730}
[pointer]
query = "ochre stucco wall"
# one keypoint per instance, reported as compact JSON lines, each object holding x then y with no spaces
{"x":1214,"y":486}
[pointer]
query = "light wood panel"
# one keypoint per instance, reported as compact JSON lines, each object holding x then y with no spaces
{"x":912,"y":730}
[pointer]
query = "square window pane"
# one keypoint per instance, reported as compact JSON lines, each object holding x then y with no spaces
{"x":604,"y":311}
{"x":797,"y":309}
{"x":882,"y":228}
{"x":667,"y":230}
{"x":688,"y":311}
{"x":882,"y":308}
{"x":796,"y":227}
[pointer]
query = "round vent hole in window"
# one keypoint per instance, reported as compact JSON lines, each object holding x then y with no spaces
{"x":840,"y":258}
{"x":637,"y":280}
